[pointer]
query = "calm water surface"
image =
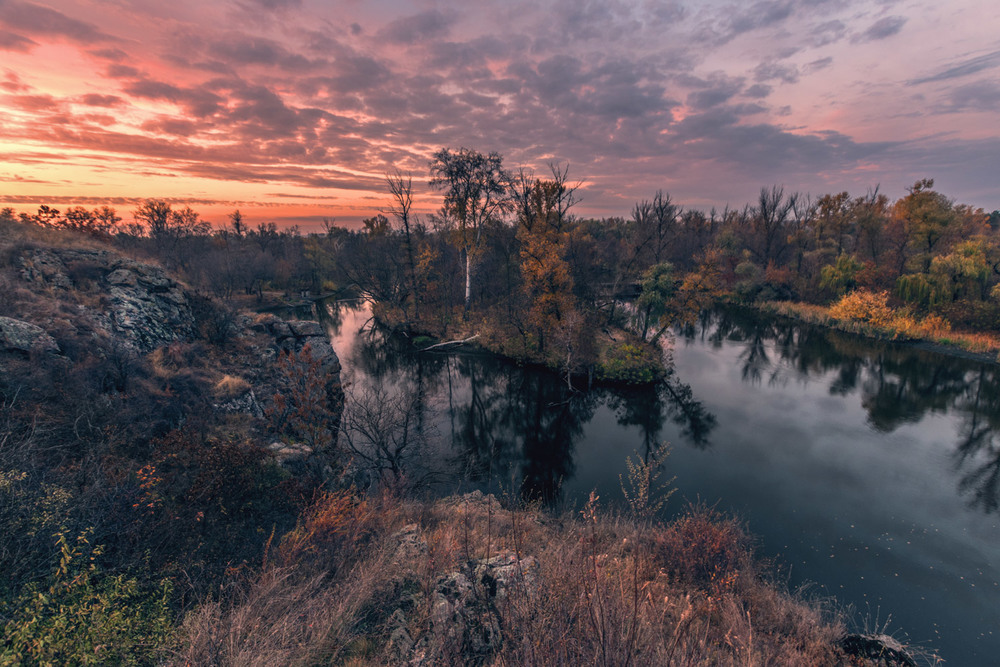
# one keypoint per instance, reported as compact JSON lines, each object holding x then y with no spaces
{"x":869,"y":471}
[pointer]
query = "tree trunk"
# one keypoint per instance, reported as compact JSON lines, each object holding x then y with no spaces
{"x":468,"y":281}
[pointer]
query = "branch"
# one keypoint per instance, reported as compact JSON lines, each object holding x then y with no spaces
{"x":450,"y":342}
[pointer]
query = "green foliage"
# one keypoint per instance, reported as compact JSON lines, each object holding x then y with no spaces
{"x":749,"y":280}
{"x":628,"y":364}
{"x":921,"y":289}
{"x":658,"y":286}
{"x":85,"y":617}
{"x":841,"y":277}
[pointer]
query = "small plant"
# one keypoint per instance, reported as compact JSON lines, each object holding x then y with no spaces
{"x":645,"y":493}
{"x":230,"y":386}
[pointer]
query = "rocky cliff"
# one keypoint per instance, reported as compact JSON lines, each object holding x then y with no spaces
{"x":67,"y":298}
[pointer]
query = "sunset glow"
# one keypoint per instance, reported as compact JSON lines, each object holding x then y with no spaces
{"x":292,"y":110}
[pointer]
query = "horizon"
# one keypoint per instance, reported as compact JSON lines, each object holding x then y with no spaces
{"x":292,"y":111}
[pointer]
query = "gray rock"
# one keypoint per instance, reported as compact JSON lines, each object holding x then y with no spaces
{"x":122,"y":277}
{"x":21,"y":336}
{"x":44,"y":266}
{"x":145,"y":307}
{"x":245,"y":403}
{"x":307,"y":329}
{"x":883,"y":648}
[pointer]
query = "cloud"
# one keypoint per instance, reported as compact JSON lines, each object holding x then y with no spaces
{"x":758,"y":15}
{"x":97,"y":100}
{"x":12,"y":82}
{"x":236,"y":49}
{"x":43,"y":21}
{"x":13,"y":42}
{"x":962,"y":68}
{"x":718,"y":90}
{"x":112,"y":53}
{"x":770,"y":71}
{"x":828,"y":32}
{"x":197,"y":101}
{"x":273,"y":5}
{"x":981,"y":96}
{"x":758,"y":91}
{"x":817,"y":65}
{"x":881,"y":29}
{"x":426,"y":26}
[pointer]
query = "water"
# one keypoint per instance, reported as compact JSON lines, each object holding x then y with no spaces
{"x":869,"y":471}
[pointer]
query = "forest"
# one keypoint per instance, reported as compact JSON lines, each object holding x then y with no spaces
{"x":506,"y":260}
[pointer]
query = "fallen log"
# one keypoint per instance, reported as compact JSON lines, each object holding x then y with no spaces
{"x":450,"y":342}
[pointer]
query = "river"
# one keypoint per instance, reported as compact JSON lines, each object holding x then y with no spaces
{"x":869,"y":471}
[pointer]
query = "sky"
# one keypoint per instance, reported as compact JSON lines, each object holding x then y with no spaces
{"x":293,"y":111}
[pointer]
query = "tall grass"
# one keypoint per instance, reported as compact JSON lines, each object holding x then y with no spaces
{"x":590,"y":588}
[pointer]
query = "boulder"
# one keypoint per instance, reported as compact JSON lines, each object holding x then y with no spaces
{"x":882,"y":648}
{"x":466,"y":605}
{"x":21,"y":336}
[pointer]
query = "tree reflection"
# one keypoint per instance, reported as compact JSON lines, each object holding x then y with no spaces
{"x":898,"y":385}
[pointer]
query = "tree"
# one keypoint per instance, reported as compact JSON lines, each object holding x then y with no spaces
{"x":548,"y":283}
{"x":768,"y":221}
{"x":401,"y":190}
{"x":927,"y":217}
{"x":475,"y":191}
{"x":658,"y":287}
{"x":237,"y":224}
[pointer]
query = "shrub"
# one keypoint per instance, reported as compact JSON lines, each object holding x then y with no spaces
{"x":230,"y":386}
{"x":629,"y":364}
{"x":84,"y":617}
{"x":703,"y":547}
{"x":864,"y":306}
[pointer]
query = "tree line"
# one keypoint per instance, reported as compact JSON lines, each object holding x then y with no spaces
{"x":506,"y":256}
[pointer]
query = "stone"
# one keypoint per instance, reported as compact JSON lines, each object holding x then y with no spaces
{"x":877,"y":647}
{"x":21,"y":336}
{"x":245,"y":403}
{"x":306,"y":329}
{"x":122,"y":277}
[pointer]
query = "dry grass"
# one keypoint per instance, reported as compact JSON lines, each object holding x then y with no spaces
{"x":230,"y":386}
{"x":603,"y":589}
{"x":898,"y":325}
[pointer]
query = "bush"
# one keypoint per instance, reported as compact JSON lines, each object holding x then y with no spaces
{"x":704,"y":548}
{"x":83,"y":617}
{"x":629,"y":364}
{"x":864,"y":306}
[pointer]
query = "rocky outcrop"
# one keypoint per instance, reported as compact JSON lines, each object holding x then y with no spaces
{"x":139,"y":303}
{"x":117,"y":302}
{"x":881,"y":648}
{"x":466,"y":605}
{"x":21,"y":336}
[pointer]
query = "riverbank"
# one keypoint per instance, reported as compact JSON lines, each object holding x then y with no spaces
{"x":934,"y":335}
{"x":466,"y":580}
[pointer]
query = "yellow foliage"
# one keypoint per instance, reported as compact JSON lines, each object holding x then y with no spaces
{"x":865,"y":306}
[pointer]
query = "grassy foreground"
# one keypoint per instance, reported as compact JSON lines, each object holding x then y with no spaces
{"x":463,"y":580}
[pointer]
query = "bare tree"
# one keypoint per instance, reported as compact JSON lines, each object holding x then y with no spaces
{"x":401,"y":190}
{"x":384,"y":429}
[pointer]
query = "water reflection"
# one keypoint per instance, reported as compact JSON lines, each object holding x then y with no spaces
{"x":896,"y":384}
{"x":483,"y":419}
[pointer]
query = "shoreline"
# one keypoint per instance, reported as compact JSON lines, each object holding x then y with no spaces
{"x":817,"y":316}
